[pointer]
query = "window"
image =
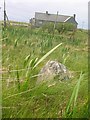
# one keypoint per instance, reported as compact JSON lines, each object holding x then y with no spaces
{"x":40,"y":22}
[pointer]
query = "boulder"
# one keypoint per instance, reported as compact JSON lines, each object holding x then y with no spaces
{"x":53,"y":70}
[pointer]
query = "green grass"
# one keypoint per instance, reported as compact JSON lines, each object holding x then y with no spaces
{"x":24,"y":52}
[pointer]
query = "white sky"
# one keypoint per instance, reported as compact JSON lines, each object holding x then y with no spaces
{"x":17,"y":1}
{"x":23,"y":10}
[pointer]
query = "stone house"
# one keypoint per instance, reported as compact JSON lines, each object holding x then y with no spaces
{"x":42,"y":18}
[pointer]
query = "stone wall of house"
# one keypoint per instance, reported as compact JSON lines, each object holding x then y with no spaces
{"x":39,"y":23}
{"x":71,"y":20}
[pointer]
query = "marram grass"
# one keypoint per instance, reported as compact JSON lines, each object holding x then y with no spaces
{"x":24,"y":53}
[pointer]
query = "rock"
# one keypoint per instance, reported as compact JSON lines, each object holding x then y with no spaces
{"x":53,"y":70}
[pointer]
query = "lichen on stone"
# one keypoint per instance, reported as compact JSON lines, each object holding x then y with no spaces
{"x":53,"y":70}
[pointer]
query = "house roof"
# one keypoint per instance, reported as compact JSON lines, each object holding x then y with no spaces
{"x":52,"y":17}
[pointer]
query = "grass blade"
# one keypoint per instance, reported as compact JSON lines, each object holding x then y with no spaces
{"x":17,"y":74}
{"x":74,"y":95}
{"x":46,"y":55}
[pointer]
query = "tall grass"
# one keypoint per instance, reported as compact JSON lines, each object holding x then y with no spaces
{"x":72,"y":102}
{"x":47,"y":54}
{"x":30,"y":50}
{"x":34,"y":63}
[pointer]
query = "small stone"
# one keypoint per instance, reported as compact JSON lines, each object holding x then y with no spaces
{"x":53,"y":70}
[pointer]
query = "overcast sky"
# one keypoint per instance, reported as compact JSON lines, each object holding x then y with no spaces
{"x":23,"y":10}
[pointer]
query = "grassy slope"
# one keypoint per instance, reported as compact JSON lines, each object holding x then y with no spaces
{"x":42,"y":101}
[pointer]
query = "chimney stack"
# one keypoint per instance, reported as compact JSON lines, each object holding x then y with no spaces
{"x":74,"y":16}
{"x":47,"y":12}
